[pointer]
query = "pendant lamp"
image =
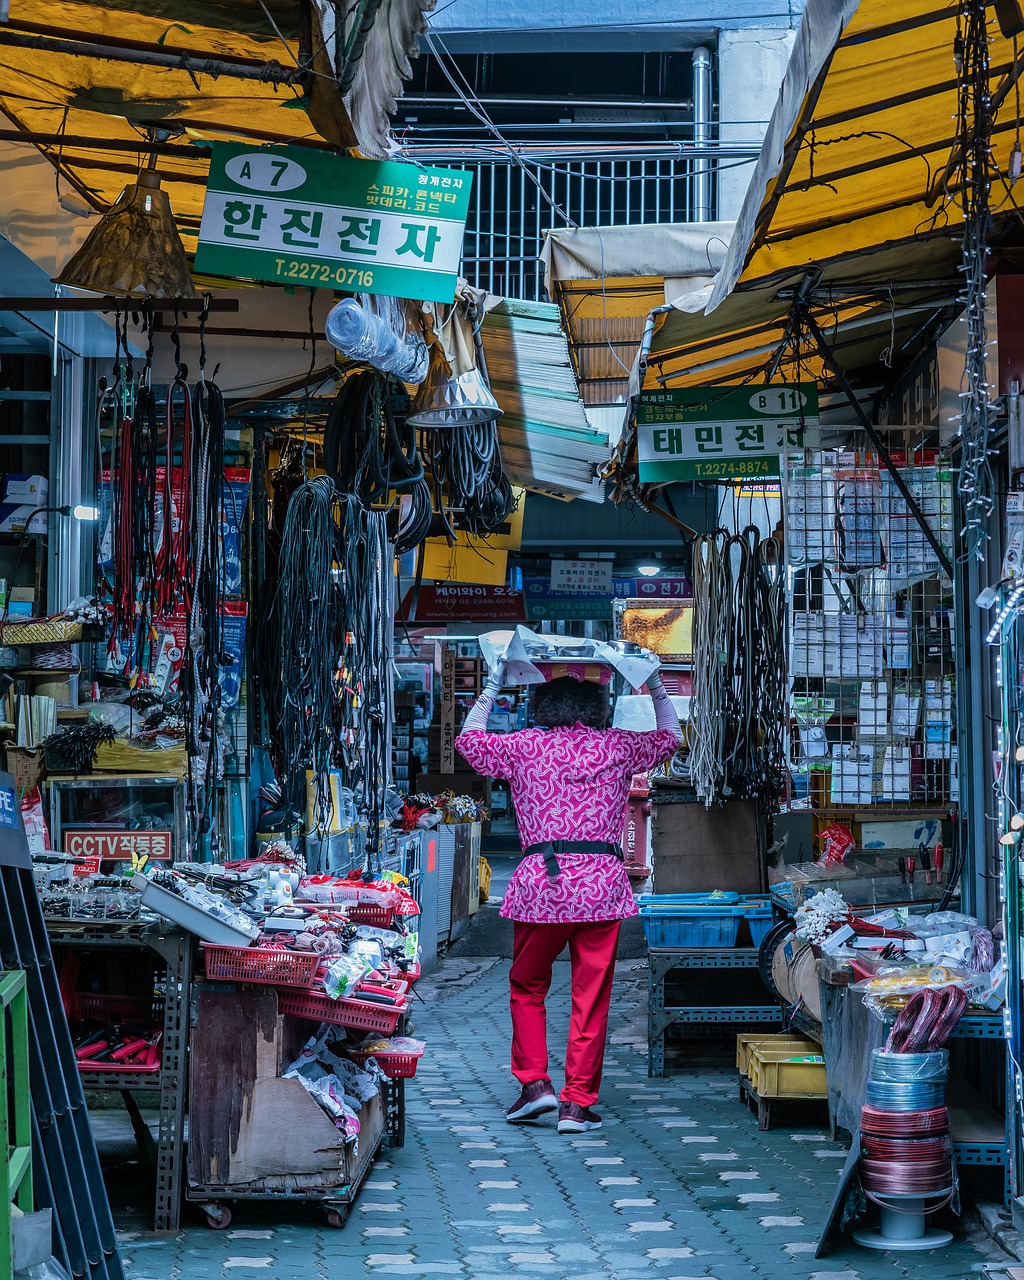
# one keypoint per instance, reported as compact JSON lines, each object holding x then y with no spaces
{"x":445,"y":401}
{"x":135,"y":249}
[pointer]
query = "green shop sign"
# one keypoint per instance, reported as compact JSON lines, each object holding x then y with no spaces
{"x":290,"y":215}
{"x":721,"y":433}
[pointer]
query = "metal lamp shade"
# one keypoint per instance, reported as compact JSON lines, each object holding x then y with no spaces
{"x":444,"y":401}
{"x":134,"y":250}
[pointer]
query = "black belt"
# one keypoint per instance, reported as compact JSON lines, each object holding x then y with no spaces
{"x":551,"y":848}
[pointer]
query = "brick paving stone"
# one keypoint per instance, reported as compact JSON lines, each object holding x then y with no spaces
{"x":472,"y":1198}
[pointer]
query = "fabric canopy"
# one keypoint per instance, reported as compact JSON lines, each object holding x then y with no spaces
{"x":856,"y":183}
{"x":205,"y":70}
{"x":607,"y":279}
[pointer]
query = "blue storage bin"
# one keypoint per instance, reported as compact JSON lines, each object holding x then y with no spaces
{"x":694,"y":899}
{"x":681,"y":925}
{"x":759,"y":921}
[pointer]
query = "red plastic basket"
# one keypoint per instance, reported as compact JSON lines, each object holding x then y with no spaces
{"x":371,"y":913}
{"x":397,"y":1066}
{"x":271,"y":966}
{"x":341,"y":1013}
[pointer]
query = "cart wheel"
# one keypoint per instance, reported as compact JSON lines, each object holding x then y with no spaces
{"x":337,"y":1217}
{"x":218,"y":1217}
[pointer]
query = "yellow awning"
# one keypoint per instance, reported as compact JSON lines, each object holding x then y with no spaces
{"x":90,"y":78}
{"x":856,"y":183}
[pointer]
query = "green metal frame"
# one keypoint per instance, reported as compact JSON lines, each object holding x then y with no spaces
{"x":15,"y":1113}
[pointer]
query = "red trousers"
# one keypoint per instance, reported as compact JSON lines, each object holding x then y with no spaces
{"x":592,"y":947}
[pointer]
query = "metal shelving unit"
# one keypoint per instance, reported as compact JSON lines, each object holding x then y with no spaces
{"x":175,"y":949}
{"x":661,"y":1015}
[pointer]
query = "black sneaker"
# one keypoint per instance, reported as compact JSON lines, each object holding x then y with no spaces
{"x":572,"y":1118}
{"x":536,"y":1100}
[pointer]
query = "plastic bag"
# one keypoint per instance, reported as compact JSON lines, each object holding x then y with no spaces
{"x":51,"y":1270}
{"x":374,"y":330}
{"x":910,"y":979}
{"x":344,"y":974}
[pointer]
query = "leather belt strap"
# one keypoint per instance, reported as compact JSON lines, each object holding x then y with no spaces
{"x":550,"y":849}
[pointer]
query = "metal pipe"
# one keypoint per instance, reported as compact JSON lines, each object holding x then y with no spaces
{"x":702,"y":132}
{"x":271,"y":72}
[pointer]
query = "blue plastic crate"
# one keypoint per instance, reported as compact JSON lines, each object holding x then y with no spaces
{"x":692,"y":899}
{"x":759,"y":921}
{"x":678,"y":925}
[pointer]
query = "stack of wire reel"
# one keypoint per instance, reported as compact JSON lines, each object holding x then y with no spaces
{"x":906,"y":1163}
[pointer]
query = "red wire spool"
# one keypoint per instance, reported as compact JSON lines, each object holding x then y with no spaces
{"x":904,"y":1124}
{"x":924,"y":1179}
{"x":936,"y":1147}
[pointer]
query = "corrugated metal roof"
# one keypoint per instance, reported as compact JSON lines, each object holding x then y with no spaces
{"x":549,"y":445}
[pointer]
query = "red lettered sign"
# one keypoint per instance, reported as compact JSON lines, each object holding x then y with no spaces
{"x":116,"y":845}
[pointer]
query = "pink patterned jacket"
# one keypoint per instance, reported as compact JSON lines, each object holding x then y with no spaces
{"x":568,"y":784}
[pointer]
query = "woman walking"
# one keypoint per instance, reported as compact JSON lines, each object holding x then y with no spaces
{"x":569,"y":779}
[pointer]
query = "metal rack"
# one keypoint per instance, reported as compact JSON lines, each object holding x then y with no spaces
{"x":661,"y":1016}
{"x":175,"y":948}
{"x":981,"y":1136}
{"x":872,"y":656}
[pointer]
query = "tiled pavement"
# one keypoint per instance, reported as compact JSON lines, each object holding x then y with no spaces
{"x":679,"y":1184}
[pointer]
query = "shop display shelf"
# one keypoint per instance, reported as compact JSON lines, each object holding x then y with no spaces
{"x":706,"y":1006}
{"x":980,"y":1026}
{"x":103,"y":1076}
{"x":168,"y":1079}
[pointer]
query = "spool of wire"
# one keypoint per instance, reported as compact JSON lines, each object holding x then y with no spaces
{"x":904,"y":1068}
{"x":906,"y":1178}
{"x":908,"y":1095}
{"x":934,"y":1147}
{"x":904,"y":1124}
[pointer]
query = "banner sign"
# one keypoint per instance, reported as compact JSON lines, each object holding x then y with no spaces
{"x":291,"y":215}
{"x":461,"y":602}
{"x":13,"y":841}
{"x":117,"y":845}
{"x":721,"y":433}
{"x":581,"y":577}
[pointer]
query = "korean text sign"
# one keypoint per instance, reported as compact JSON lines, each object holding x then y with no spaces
{"x":721,"y":433}
{"x":295,"y":216}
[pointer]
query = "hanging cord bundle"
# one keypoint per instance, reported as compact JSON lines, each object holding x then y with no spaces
{"x":206,"y":658}
{"x":312,"y":611}
{"x":134,"y":483}
{"x":706,"y":719}
{"x":335,"y":605}
{"x":738,"y":699}
{"x":467,"y":468}
{"x":173,"y":560}
{"x":974,"y":130}
{"x":370,"y":451}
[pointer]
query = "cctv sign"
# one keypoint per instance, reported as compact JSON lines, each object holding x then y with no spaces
{"x":112,"y":845}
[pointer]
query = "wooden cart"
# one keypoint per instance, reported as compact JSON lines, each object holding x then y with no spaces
{"x":252,"y":1134}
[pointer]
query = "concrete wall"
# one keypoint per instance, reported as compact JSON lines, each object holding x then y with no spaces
{"x":575,"y":25}
{"x":751,"y":64}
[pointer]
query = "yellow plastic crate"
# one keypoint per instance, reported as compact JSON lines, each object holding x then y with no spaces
{"x":750,"y":1040}
{"x":774,"y":1074}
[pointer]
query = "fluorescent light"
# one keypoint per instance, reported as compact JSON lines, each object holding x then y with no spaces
{"x":648,"y":570}
{"x":82,"y":512}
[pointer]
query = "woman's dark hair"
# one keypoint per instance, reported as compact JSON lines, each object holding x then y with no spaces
{"x":567,"y":702}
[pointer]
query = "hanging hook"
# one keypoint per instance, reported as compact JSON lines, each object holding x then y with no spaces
{"x":203,"y":316}
{"x":148,"y":320}
{"x":180,"y":370}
